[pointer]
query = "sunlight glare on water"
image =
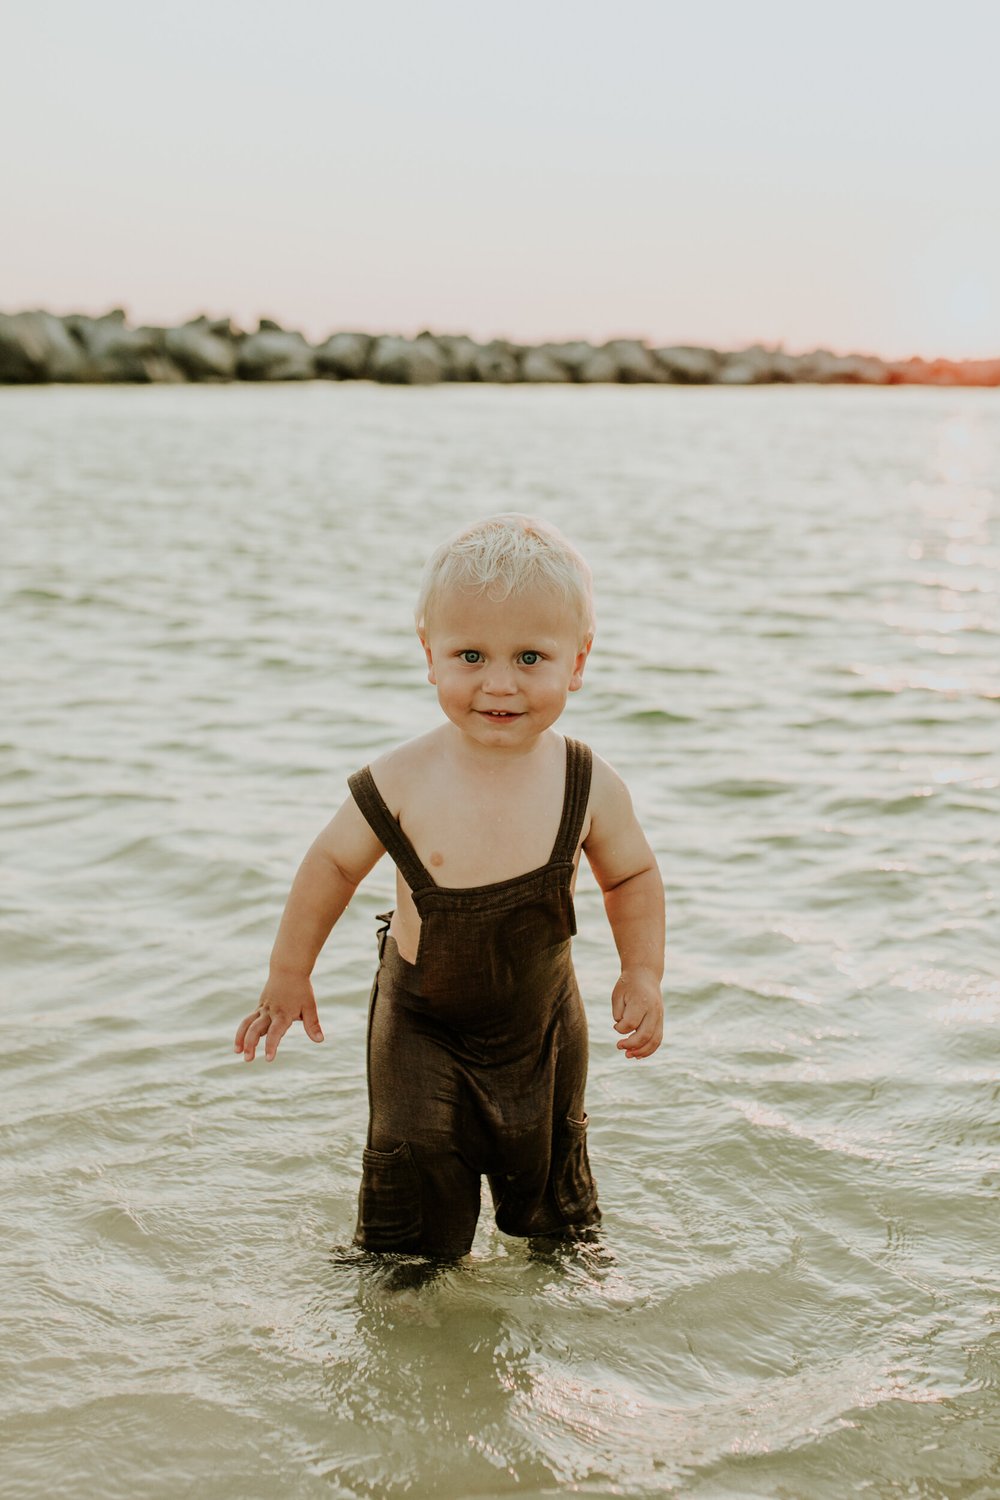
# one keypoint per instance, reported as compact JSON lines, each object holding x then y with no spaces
{"x":207,"y":607}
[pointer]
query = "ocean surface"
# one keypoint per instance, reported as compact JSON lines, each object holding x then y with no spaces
{"x":206,"y":620}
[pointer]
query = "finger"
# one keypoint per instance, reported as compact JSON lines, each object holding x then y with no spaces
{"x":641,"y":1033}
{"x":617,"y":1007}
{"x":245,"y":1029}
{"x":242,"y":1031}
{"x":275,"y":1032}
{"x":642,"y":1044}
{"x":256,"y":1030}
{"x":310,"y":1020}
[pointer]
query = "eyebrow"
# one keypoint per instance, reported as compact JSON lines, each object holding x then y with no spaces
{"x":467,"y":643}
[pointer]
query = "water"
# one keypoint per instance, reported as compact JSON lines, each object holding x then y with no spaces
{"x":206,"y":614}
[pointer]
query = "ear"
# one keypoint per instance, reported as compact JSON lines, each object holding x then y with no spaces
{"x":576,"y":681}
{"x":430,"y":661}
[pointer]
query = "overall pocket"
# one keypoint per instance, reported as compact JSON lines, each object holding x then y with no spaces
{"x":389,"y":1216}
{"x":572,"y":1180}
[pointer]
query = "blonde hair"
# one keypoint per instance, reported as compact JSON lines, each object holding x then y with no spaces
{"x":504,"y":555}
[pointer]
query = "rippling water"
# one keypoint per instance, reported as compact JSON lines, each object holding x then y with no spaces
{"x":206,"y":605}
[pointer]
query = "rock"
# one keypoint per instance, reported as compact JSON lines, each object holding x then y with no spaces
{"x":428,"y":344}
{"x":599,"y":366}
{"x":753,"y":366}
{"x":344,"y":356}
{"x":820,"y":367}
{"x":460,"y":354}
{"x":783,"y":367}
{"x":496,"y":363}
{"x":686,"y":364}
{"x":636,"y":365}
{"x":908,"y":372}
{"x":77,"y":323}
{"x":538,"y":367}
{"x":983,"y":372}
{"x":200,"y":353}
{"x":275,"y":355}
{"x":934,"y":372}
{"x":572,"y":355}
{"x":945,"y":372}
{"x":396,"y":361}
{"x":816,"y":366}
{"x":221,"y":327}
{"x":36,"y":347}
{"x":114,"y":353}
{"x":868,"y":369}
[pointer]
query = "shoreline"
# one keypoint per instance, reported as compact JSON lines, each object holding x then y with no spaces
{"x":39,"y":348}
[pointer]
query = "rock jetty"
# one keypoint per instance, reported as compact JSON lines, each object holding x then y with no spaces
{"x":38,"y":348}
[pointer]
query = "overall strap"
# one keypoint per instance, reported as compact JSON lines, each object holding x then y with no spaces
{"x":579,"y":763}
{"x":387,"y":830}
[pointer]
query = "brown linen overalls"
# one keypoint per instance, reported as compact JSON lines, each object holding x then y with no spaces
{"x":477,"y":1052}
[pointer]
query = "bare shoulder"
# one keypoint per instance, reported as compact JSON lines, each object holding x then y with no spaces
{"x":614,"y":843}
{"x":396,"y":772}
{"x":609,"y":796}
{"x":349,"y":840}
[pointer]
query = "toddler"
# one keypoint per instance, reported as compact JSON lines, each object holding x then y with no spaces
{"x":477,"y":1038}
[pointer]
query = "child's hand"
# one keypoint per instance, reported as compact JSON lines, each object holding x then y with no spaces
{"x":283,"y":1000}
{"x":637,"y":1006}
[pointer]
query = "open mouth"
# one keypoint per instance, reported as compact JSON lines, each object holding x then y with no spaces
{"x":498,"y":713}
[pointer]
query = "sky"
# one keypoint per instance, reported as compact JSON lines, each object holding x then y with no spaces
{"x":812,"y":173}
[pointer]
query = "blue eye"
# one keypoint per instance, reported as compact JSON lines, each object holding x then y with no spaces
{"x":472,"y":657}
{"x":529,"y":658}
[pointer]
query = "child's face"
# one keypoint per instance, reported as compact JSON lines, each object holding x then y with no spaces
{"x":503,"y":668}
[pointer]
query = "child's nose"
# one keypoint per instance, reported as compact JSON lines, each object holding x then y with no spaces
{"x":499,"y":680}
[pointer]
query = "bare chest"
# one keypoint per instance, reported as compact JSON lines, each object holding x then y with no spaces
{"x":467,"y":834}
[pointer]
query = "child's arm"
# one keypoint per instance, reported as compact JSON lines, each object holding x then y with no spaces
{"x":625,"y":868}
{"x":327,"y":878}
